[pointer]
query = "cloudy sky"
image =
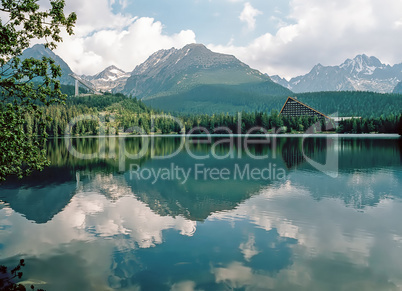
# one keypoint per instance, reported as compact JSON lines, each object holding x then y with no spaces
{"x":285,"y":37}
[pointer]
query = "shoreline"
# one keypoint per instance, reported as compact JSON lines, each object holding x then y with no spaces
{"x":304,"y":135}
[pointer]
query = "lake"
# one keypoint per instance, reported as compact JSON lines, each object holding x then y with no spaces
{"x":181,"y":213}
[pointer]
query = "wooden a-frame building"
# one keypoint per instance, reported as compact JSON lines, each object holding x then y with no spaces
{"x":294,"y":107}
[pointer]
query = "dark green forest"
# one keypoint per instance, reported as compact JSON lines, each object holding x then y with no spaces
{"x":214,"y":99}
{"x":116,"y":114}
{"x":354,"y":103}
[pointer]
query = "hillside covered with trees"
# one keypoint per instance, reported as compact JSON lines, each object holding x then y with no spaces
{"x":116,"y":114}
{"x":218,"y":99}
{"x":354,"y":103}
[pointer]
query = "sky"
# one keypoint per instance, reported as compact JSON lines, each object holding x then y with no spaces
{"x":277,"y":37}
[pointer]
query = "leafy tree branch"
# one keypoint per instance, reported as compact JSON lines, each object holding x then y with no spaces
{"x":27,"y":85}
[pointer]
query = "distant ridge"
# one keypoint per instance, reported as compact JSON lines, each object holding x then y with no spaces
{"x":362,"y":73}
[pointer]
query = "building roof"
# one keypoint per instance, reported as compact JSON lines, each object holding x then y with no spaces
{"x":294,"y":107}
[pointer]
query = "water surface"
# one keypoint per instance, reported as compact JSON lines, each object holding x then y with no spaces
{"x":97,"y":224}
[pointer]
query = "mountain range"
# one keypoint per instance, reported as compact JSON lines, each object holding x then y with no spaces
{"x":196,"y":73}
{"x":362,"y":73}
{"x":174,"y":71}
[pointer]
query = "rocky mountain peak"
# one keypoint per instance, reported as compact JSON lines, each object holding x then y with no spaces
{"x":39,"y":50}
{"x":190,"y":56}
{"x":195,"y":46}
{"x":115,"y":70}
{"x":111,"y":73}
{"x":196,"y":49}
{"x":156,"y":59}
{"x":108,"y":79}
{"x":317,"y":68}
{"x":362,"y":64}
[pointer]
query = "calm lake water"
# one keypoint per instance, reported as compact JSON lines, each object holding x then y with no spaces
{"x":209,"y":217}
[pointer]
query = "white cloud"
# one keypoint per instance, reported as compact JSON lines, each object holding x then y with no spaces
{"x":248,"y":15}
{"x":325,"y":32}
{"x":322,"y":232}
{"x":249,"y":249}
{"x":314,"y":31}
{"x":183,"y":286}
{"x":103,"y":38}
{"x":90,"y":214}
{"x":235,"y":275}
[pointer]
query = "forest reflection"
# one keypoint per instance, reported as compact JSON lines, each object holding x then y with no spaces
{"x":46,"y":193}
{"x":107,"y":150}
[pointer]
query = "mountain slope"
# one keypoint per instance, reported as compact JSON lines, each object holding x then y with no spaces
{"x":39,"y":50}
{"x":363,"y":73}
{"x":108,"y":79}
{"x":322,"y":78}
{"x":177,"y":71}
{"x":398,"y":88}
{"x":213,"y":99}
